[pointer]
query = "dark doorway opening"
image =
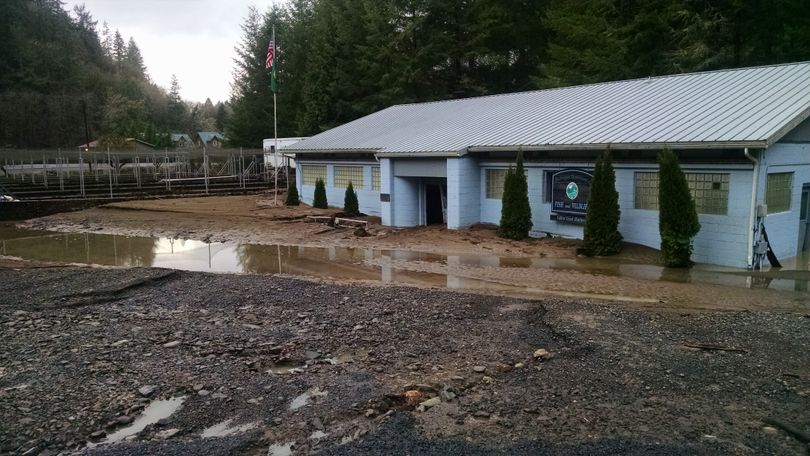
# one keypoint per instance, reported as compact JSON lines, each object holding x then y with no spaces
{"x":434,"y":204}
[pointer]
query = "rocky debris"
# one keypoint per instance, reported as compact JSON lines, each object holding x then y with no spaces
{"x":541,"y":354}
{"x":413,"y":397}
{"x":147,"y":390}
{"x":430,"y":403}
{"x":479,"y":369}
{"x":171,"y":344}
{"x":167,"y":433}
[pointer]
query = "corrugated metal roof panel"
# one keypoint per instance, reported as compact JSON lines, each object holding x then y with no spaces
{"x":719,"y":108}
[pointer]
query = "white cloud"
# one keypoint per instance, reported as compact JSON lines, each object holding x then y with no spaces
{"x":193,"y":39}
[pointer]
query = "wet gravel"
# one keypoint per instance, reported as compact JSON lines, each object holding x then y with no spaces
{"x":85,"y":350}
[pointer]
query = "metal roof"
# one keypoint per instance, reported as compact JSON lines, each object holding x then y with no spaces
{"x":208,"y":136}
{"x":746,"y":107}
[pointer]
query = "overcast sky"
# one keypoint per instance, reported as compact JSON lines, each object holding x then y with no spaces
{"x":193,"y":39}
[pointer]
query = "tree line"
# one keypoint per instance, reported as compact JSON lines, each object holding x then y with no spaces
{"x":56,"y":65}
{"x":342,"y":59}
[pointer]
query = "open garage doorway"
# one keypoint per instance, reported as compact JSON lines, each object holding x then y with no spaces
{"x":435,"y":193}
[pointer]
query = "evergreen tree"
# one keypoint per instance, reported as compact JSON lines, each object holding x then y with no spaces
{"x":292,"y":195}
{"x":516,"y":213}
{"x":319,"y":199}
{"x":221,"y":118}
{"x":175,"y":108}
{"x":350,"y":204}
{"x":106,"y":40}
{"x":601,"y":231}
{"x":677,"y":219}
{"x":134,"y":58}
{"x":119,"y":50}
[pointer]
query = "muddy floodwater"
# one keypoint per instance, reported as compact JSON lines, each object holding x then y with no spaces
{"x":468,"y":272}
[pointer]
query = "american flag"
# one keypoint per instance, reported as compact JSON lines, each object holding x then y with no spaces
{"x":271,"y":53}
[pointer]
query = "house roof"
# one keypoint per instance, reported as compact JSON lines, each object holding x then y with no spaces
{"x":178,"y":136}
{"x":208,"y":136}
{"x":746,"y":107}
{"x":95,"y":143}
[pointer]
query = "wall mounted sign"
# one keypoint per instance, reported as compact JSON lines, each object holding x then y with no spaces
{"x":570,"y":189}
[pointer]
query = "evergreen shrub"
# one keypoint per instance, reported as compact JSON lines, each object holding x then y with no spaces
{"x":319,"y":199}
{"x":601,"y":233}
{"x":677,"y":218}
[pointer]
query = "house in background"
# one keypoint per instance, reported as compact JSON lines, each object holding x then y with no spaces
{"x":128,"y":144}
{"x":742,"y":136}
{"x":209,"y":139}
{"x":181,"y":140}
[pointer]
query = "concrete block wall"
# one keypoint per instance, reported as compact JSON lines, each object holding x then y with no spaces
{"x":722,"y":239}
{"x":405,"y":201}
{"x":783,"y":227}
{"x":463,"y":192}
{"x":368,"y":199}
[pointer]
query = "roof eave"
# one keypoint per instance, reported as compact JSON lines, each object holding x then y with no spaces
{"x":625,"y":146}
{"x":331,"y":151}
{"x":424,"y":154}
{"x":785,"y":129}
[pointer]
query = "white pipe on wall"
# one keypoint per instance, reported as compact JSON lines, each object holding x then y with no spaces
{"x":753,"y":208}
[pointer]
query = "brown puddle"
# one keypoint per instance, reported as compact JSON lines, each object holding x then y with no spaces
{"x":387,"y":266}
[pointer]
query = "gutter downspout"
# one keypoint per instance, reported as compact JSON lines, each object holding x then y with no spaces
{"x":753,"y":209}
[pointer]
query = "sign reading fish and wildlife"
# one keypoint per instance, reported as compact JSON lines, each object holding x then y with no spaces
{"x":570,"y":190}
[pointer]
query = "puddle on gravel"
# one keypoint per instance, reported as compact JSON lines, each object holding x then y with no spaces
{"x":154,"y":412}
{"x":304,"y":399}
{"x":348,"y":357}
{"x":280,"y":449}
{"x":286,"y":367}
{"x":224,"y":429}
{"x":387,"y":266}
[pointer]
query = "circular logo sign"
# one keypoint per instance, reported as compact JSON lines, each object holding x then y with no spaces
{"x":572,"y":190}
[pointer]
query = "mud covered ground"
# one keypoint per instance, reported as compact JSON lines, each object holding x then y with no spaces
{"x":85,"y":350}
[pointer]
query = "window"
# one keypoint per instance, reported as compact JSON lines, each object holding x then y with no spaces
{"x":778,"y":192}
{"x":375,"y":178}
{"x":346,"y":174}
{"x":495,"y":180}
{"x":646,"y":191}
{"x":709,"y":191}
{"x":311,"y":173}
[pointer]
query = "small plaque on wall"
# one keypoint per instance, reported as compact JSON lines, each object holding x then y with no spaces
{"x":385,"y":197}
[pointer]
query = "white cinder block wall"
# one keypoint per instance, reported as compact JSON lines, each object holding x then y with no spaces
{"x":722,"y":239}
{"x":368,"y":200}
{"x":783,"y":227}
{"x":463,"y":192}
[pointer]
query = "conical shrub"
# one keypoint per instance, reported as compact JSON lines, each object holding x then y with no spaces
{"x":601,"y":232}
{"x":319,"y":199}
{"x":677,"y":218}
{"x":292,"y":195}
{"x":516,"y":213}
{"x":350,"y":205}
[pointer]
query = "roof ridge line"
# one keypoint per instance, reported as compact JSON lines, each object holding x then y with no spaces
{"x":592,"y":84}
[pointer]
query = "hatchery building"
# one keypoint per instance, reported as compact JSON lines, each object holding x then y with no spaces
{"x":742,"y":136}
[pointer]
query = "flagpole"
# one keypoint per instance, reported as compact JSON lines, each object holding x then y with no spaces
{"x":275,"y":147}
{"x":275,"y":124}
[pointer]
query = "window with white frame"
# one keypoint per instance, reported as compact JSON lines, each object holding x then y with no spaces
{"x":494,"y":183}
{"x":375,"y":178}
{"x":346,"y":174}
{"x":709,"y":191}
{"x":778,"y":192}
{"x":311,"y":173}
